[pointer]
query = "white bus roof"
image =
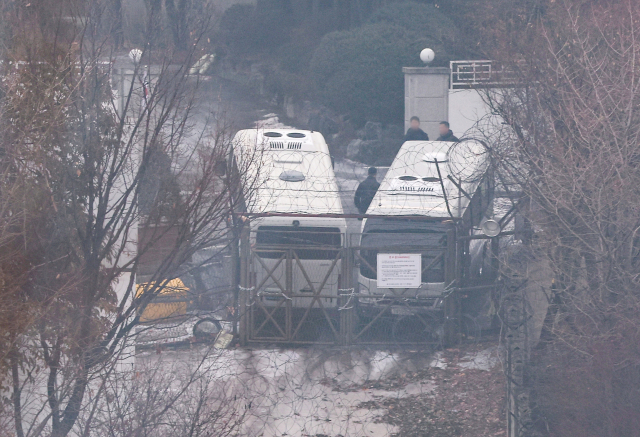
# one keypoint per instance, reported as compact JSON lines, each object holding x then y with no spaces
{"x":412,"y":185}
{"x":295,"y":171}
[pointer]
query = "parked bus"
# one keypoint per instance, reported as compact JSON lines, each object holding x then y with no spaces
{"x":296,"y":254}
{"x":435,"y":198}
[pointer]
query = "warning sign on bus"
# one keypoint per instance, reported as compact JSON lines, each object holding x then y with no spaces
{"x":399,"y":270}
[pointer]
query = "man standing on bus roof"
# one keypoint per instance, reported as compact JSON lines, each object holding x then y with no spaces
{"x":366,"y":190}
{"x":415,"y":133}
{"x":446,"y":134}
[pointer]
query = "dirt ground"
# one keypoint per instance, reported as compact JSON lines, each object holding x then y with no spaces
{"x":352,"y":392}
{"x":467,"y":397}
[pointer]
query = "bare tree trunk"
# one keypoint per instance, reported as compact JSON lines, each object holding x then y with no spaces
{"x":117,"y":29}
{"x":177,"y":11}
{"x":16,"y":396}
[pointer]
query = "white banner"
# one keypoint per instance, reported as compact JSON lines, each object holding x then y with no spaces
{"x":399,"y":270}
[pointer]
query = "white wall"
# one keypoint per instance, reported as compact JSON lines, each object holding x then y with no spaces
{"x":466,"y":108}
{"x":426,"y":96}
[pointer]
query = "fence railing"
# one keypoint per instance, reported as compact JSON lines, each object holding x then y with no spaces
{"x":515,"y":316}
{"x":480,"y":73}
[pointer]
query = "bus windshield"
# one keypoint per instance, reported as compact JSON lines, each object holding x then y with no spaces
{"x":307,"y":242}
{"x":392,"y":236}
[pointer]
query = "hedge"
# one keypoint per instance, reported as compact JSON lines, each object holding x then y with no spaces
{"x":359,"y":72}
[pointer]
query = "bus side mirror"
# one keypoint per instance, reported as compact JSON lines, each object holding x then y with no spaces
{"x":491,"y":228}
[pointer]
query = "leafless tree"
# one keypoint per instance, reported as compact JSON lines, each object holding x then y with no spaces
{"x":165,"y":397}
{"x":94,"y":180}
{"x":569,"y":139}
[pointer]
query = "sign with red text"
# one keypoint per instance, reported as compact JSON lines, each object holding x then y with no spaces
{"x":399,"y":270}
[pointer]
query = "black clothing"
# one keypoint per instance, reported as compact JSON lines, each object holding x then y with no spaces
{"x":365,"y":192}
{"x":416,"y":135}
{"x":448,"y":137}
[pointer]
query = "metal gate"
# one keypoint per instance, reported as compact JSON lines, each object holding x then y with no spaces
{"x":404,"y":316}
{"x":292,"y":294}
{"x":300,"y":294}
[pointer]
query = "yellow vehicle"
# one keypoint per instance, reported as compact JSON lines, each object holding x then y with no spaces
{"x":171,"y":301}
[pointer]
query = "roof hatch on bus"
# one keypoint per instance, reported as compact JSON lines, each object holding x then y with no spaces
{"x":292,"y":176}
{"x":273,"y":134}
{"x":283,"y":140}
{"x":434,"y":157}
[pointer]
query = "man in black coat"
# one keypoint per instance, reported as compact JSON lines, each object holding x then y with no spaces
{"x":446,"y":134}
{"x":415,"y":133}
{"x":366,"y":190}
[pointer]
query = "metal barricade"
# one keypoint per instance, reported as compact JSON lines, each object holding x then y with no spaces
{"x":290,"y":295}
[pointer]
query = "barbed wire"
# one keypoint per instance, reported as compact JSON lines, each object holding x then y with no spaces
{"x":421,"y":191}
{"x":309,"y":392}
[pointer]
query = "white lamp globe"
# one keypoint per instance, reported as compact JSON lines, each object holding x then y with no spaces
{"x":135,"y":55}
{"x":427,"y":55}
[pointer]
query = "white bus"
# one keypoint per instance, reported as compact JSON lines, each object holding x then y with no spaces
{"x":295,"y":179}
{"x":432,"y":191}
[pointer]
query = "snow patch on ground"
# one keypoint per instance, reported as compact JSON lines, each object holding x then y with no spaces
{"x":484,"y":360}
{"x":309,"y":392}
{"x":165,"y":333}
{"x":171,"y":332}
{"x":438,"y":361}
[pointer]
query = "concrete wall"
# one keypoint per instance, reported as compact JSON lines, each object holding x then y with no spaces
{"x":426,"y":95}
{"x":466,"y":108}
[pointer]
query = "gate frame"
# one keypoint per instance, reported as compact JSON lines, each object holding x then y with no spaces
{"x":456,"y":268}
{"x":249,"y":291}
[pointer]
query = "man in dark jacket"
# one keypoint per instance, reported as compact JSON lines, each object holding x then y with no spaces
{"x":446,"y":134}
{"x":415,"y":133}
{"x":366,"y":190}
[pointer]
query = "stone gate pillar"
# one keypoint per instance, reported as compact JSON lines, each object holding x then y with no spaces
{"x":426,"y":95}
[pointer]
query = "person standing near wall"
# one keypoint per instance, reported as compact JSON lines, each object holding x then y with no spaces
{"x":446,"y":134}
{"x":414,"y":133}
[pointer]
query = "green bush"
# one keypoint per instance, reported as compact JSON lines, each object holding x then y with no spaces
{"x":296,"y":55}
{"x":264,"y":27}
{"x":237,"y":28}
{"x":423,"y":19}
{"x":359,"y":72}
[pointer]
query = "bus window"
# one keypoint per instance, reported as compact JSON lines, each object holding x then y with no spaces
{"x":307,"y":242}
{"x":428,"y":240}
